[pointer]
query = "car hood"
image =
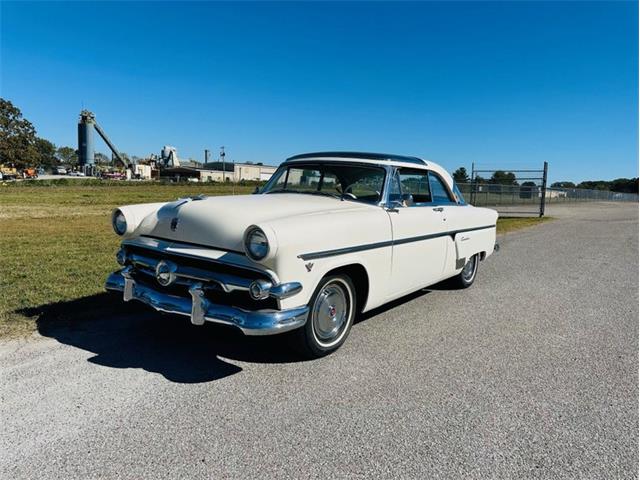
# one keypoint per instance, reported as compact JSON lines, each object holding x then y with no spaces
{"x":220,"y":222}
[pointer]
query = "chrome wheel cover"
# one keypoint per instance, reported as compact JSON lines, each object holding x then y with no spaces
{"x":331,"y":312}
{"x":470,"y":268}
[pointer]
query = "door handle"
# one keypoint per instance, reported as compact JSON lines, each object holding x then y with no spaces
{"x":438,"y":209}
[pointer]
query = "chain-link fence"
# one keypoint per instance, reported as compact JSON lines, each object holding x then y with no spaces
{"x":524,"y":192}
{"x":526,"y":199}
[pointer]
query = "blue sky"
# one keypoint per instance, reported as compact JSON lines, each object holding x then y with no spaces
{"x":502,"y":84}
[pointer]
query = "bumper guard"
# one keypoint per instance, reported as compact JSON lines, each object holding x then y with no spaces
{"x":200,"y":309}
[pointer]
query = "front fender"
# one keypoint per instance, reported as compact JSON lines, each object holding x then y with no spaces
{"x":301,"y":236}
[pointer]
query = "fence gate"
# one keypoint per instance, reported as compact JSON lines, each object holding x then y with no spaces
{"x":510,"y":192}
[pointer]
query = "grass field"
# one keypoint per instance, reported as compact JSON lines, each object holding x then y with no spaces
{"x":57,"y":246}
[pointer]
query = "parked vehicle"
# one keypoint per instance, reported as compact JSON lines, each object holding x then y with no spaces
{"x":61,"y":171}
{"x":29,"y":173}
{"x":113,"y":176}
{"x":330,"y":235}
{"x":76,"y":173}
{"x":8,"y":173}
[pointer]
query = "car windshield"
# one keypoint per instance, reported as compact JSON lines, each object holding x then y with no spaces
{"x":343,"y":181}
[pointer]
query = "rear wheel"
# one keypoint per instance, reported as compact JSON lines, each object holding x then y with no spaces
{"x":332,"y":309}
{"x":468,"y":274}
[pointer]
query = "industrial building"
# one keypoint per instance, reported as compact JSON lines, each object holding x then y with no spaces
{"x":241,"y":171}
{"x":167,"y":165}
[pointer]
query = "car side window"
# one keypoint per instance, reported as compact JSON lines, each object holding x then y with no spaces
{"x":439,"y":191}
{"x":414,"y":185}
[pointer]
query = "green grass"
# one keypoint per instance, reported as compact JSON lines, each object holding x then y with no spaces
{"x":509,"y":224}
{"x":57,"y":245}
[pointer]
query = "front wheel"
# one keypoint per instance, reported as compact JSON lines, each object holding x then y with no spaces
{"x":332,"y":309}
{"x":468,"y":274}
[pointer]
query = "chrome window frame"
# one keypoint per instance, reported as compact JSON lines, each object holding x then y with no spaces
{"x":394,"y":174}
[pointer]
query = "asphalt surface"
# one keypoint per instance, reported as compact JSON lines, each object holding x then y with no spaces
{"x":531,"y":373}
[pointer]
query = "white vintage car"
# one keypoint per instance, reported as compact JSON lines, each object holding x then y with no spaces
{"x":329,"y":236}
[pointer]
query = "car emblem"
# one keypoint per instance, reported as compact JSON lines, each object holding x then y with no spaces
{"x":174,"y":224}
{"x":308,"y":266}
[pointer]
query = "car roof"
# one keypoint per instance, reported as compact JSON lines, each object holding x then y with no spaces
{"x":357,"y":156}
{"x":375,"y":158}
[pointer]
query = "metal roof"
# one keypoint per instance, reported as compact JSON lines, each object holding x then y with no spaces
{"x":360,"y":155}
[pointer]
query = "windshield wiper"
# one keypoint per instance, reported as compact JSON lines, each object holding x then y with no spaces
{"x":326,"y":194}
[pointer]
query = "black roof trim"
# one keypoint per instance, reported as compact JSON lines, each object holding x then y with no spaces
{"x":361,"y":155}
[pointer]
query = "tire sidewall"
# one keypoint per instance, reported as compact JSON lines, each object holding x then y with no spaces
{"x":467,"y":283}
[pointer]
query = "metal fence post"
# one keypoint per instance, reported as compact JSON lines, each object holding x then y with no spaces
{"x":473,"y":184}
{"x":544,"y":188}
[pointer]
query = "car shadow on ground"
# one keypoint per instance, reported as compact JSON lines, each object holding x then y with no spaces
{"x":132,"y":335}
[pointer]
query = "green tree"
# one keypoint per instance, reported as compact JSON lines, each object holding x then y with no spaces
{"x":624,"y":185}
{"x":67,"y":155}
{"x":17,"y":137}
{"x":563,"y":185}
{"x":461,"y":175}
{"x":479,"y":180}
{"x":46,"y":152}
{"x":102,"y":159}
{"x":501,"y":177}
{"x":594,"y":185}
{"x":527,"y":189}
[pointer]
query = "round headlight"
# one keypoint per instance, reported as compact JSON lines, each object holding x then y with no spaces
{"x":256,"y":244}
{"x":119,"y":222}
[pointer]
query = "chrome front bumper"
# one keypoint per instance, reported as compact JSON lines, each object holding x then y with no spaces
{"x":200,"y":309}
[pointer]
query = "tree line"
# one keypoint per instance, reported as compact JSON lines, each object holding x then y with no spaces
{"x":501,"y":177}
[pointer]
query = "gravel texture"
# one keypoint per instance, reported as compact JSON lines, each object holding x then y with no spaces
{"x":530,"y":373}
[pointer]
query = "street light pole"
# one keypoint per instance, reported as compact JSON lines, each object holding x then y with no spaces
{"x":224,"y":173}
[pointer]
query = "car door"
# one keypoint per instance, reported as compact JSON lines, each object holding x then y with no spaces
{"x":419,"y":246}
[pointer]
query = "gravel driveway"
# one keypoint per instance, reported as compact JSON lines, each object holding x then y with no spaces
{"x":531,"y":373}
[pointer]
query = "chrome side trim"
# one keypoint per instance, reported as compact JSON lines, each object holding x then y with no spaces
{"x":387,"y":243}
{"x":200,"y":309}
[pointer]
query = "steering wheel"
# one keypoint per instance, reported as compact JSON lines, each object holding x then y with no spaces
{"x":345,"y":193}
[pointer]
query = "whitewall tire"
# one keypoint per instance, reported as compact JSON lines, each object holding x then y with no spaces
{"x":332,"y":309}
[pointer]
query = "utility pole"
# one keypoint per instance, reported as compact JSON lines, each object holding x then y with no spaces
{"x":224,"y":172}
